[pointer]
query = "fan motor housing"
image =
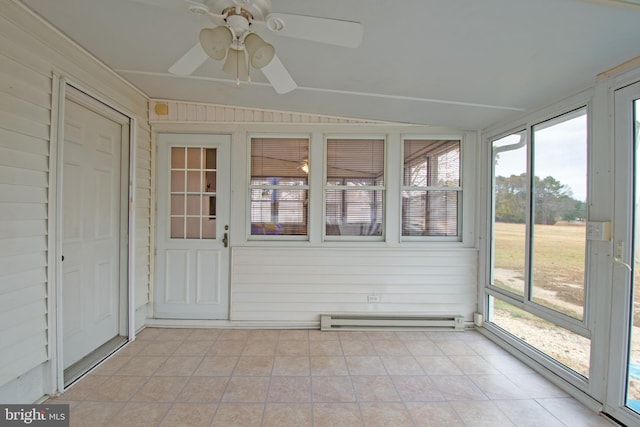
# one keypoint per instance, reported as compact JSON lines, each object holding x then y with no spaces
{"x":259,"y":9}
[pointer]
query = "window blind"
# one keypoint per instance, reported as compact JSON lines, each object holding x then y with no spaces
{"x":354,"y":197}
{"x":279,"y":186}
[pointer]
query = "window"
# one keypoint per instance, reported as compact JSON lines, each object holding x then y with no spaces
{"x":539,"y":237}
{"x":431,"y":188}
{"x":510,"y":198}
{"x":558,"y":229}
{"x":354,"y":193}
{"x":193,"y":193}
{"x":279,"y":186}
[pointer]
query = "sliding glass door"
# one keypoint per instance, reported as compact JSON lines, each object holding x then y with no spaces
{"x":624,"y":373}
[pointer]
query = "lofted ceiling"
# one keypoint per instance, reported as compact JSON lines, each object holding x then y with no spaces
{"x":459,"y":63}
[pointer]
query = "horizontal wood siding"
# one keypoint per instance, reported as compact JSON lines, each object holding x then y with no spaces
{"x":31,"y":52}
{"x":282,"y":285}
{"x":186,"y":112}
{"x":25,"y":112}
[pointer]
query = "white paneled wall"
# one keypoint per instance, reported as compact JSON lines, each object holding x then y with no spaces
{"x":25,"y":114}
{"x":290,"y":283}
{"x":31,"y":55}
{"x":296,"y":285}
{"x":162,"y":111}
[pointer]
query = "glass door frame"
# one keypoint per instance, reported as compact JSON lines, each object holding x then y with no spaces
{"x":626,"y":170}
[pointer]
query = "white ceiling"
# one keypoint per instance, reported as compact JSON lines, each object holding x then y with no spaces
{"x":465,"y":64}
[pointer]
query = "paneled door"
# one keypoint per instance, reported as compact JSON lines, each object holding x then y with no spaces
{"x":192,"y":253}
{"x":94,"y":221}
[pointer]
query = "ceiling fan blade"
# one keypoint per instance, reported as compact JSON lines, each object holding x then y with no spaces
{"x":323,"y":30}
{"x":190,"y":61}
{"x":200,"y":12}
{"x":278,"y":76}
{"x":619,"y":3}
{"x":167,"y":4}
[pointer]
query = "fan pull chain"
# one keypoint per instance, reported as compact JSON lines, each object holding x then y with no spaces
{"x":238,"y":69}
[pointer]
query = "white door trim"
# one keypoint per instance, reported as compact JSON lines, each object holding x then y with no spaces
{"x":64,"y":89}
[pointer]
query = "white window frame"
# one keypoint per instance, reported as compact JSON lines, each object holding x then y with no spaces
{"x":383,"y":188}
{"x":459,"y":189}
{"x":250,"y":187}
{"x":581,"y":327}
{"x":578,"y":326}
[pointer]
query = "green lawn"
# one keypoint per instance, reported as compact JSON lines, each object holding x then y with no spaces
{"x":558,"y":259}
{"x":558,"y":249}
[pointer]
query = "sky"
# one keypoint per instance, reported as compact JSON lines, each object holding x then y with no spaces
{"x":560,"y":152}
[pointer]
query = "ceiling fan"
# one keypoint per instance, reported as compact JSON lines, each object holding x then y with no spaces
{"x":235,"y":38}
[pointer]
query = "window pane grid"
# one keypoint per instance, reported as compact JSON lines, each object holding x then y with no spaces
{"x":430,"y":213}
{"x":192,"y":193}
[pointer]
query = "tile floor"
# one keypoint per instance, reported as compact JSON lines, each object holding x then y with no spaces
{"x":234,"y":377}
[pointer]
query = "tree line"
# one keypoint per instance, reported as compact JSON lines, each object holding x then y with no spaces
{"x":553,"y":201}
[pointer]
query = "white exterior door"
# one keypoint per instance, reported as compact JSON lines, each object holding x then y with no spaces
{"x":91,"y":230}
{"x":192,"y":254}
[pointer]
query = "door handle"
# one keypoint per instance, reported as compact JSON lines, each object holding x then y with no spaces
{"x":225,"y":240}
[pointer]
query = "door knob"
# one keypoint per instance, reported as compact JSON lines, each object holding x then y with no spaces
{"x":225,"y":240}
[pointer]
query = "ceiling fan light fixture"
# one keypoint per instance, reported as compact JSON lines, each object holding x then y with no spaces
{"x":236,"y":65}
{"x":216,"y":41}
{"x":304,"y":165}
{"x":260,"y":52}
{"x":238,"y":19}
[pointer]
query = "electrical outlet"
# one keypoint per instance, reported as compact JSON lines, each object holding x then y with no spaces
{"x":373,"y":298}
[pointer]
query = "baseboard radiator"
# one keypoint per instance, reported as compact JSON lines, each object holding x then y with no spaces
{"x":353,"y":322}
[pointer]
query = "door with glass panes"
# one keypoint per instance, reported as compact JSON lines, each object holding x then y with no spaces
{"x":623,"y":400}
{"x":192,"y":253}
